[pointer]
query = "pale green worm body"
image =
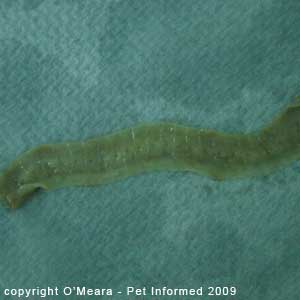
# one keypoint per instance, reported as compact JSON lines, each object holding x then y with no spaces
{"x":148,"y":147}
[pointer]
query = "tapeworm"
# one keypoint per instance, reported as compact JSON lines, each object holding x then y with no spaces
{"x":149,"y":147}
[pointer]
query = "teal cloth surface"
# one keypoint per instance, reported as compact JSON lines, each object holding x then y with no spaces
{"x":70,"y":70}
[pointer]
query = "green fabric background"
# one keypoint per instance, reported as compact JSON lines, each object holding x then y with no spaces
{"x":70,"y":70}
